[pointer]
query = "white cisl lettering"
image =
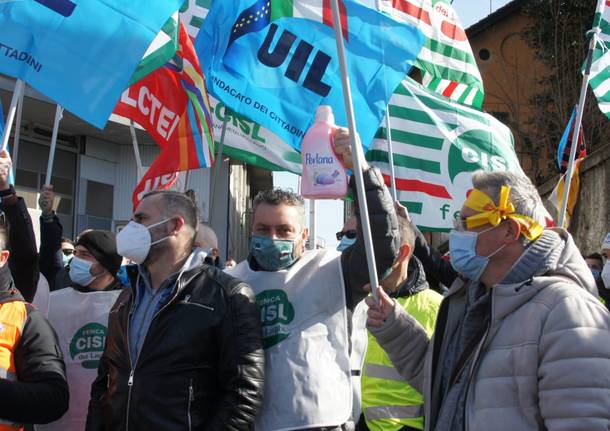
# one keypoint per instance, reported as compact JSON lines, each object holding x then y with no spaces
{"x":280,"y":313}
{"x":271,"y":314}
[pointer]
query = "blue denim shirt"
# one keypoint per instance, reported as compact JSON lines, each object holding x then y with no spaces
{"x":147,"y":303}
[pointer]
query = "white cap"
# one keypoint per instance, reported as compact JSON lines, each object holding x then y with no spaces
{"x":606,"y":243}
{"x":324,"y":114}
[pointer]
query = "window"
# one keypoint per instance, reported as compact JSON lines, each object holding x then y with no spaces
{"x":30,"y":176}
{"x":99,"y":199}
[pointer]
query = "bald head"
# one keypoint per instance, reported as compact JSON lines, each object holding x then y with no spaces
{"x":206,"y":237}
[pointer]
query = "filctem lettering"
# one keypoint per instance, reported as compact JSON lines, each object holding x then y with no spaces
{"x":18,"y":55}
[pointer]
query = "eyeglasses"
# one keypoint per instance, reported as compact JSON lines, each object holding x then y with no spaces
{"x":351,"y":234}
{"x":459,"y":224}
{"x":67,"y":251}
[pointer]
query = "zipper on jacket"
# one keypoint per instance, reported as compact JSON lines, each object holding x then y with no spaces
{"x":133,"y":365}
{"x":186,"y":301}
{"x":191,"y":399}
{"x":476,"y":358}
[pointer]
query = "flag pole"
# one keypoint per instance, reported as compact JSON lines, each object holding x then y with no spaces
{"x":136,"y":150}
{"x":186,"y":181}
{"x":313,"y":228}
{"x":58,"y":114}
{"x":217,"y":164}
{"x":357,"y":153}
{"x":19,"y":85}
{"x":17,"y":135}
{"x":577,"y":126}
{"x":388,"y":127}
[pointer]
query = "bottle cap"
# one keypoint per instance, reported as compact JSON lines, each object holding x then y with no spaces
{"x":324,"y":114}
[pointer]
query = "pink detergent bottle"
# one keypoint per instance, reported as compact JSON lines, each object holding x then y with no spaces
{"x":324,"y":176}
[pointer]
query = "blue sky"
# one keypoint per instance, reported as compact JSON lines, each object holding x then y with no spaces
{"x":329,"y":212}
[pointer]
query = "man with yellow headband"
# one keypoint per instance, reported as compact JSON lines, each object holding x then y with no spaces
{"x":521,"y":341}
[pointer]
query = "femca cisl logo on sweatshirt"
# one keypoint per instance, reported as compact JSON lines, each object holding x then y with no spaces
{"x":276,"y":314}
{"x":87,"y":345}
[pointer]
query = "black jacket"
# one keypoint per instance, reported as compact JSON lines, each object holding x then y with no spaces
{"x":51,"y":256}
{"x":40,"y":394}
{"x":435,"y":266}
{"x":201,"y":365}
{"x":386,"y":238}
{"x":23,"y":260}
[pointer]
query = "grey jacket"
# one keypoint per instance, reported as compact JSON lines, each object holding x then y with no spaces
{"x":544,"y":362}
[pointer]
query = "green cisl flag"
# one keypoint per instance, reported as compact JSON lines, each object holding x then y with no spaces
{"x":447,"y":63}
{"x":599,"y":80}
{"x":250,"y":143}
{"x":160,"y":51}
{"x":437,"y":143}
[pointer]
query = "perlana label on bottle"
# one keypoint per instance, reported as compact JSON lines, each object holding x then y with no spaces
{"x":324,"y":176}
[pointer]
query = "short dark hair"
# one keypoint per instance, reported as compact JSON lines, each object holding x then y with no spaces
{"x":596,"y":256}
{"x":68,"y":240}
{"x":280,"y":197}
{"x":176,"y":203}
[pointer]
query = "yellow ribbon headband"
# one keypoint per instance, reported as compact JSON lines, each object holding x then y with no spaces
{"x":489,"y":213}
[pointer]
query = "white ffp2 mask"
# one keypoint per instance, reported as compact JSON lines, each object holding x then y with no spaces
{"x":134,"y":241}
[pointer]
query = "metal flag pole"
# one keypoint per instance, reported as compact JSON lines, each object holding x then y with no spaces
{"x":186,"y":181}
{"x":357,"y":153}
{"x":217,"y":164}
{"x":19,"y":86}
{"x":59,"y":111}
{"x":17,"y":136}
{"x":136,"y":150}
{"x":578,"y":123}
{"x":313,"y":227}
{"x":391,"y":156}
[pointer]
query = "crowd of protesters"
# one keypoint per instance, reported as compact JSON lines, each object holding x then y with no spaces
{"x":151,"y":330}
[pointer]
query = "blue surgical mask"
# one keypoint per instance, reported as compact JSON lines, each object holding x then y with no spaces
{"x":80,"y":271}
{"x":596,"y":274}
{"x":464,"y":257}
{"x":67,"y":259}
{"x":345,"y":243}
{"x":272,"y":254}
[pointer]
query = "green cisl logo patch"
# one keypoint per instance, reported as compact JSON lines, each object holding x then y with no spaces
{"x":276,"y":313}
{"x":87,"y":345}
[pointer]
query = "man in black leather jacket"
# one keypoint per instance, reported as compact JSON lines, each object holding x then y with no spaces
{"x":184,"y":344}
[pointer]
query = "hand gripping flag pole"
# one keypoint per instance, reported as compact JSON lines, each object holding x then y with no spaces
{"x":357,"y":153}
{"x":19,"y":87}
{"x":59,"y":112}
{"x":579,"y":115}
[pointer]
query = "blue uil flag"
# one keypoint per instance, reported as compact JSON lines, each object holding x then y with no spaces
{"x":80,"y":53}
{"x":275,"y":61}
